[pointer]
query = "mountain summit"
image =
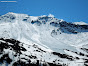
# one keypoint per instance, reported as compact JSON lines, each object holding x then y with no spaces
{"x":54,"y":40}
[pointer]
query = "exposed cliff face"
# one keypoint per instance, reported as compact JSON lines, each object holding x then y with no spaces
{"x":72,"y":28}
{"x":51,"y":38}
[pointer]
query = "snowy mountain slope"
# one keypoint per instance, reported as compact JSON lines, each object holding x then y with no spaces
{"x":48,"y":32}
{"x":13,"y":53}
{"x":23,"y":27}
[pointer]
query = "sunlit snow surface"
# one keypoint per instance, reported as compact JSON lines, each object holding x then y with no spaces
{"x":49,"y":33}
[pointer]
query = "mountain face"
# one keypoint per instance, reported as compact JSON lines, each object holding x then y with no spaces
{"x":25,"y":39}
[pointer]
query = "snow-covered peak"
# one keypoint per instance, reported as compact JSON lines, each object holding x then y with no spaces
{"x":50,"y":15}
{"x":11,"y":13}
{"x":80,"y":23}
{"x":34,"y":18}
{"x":43,"y":16}
{"x":9,"y":17}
